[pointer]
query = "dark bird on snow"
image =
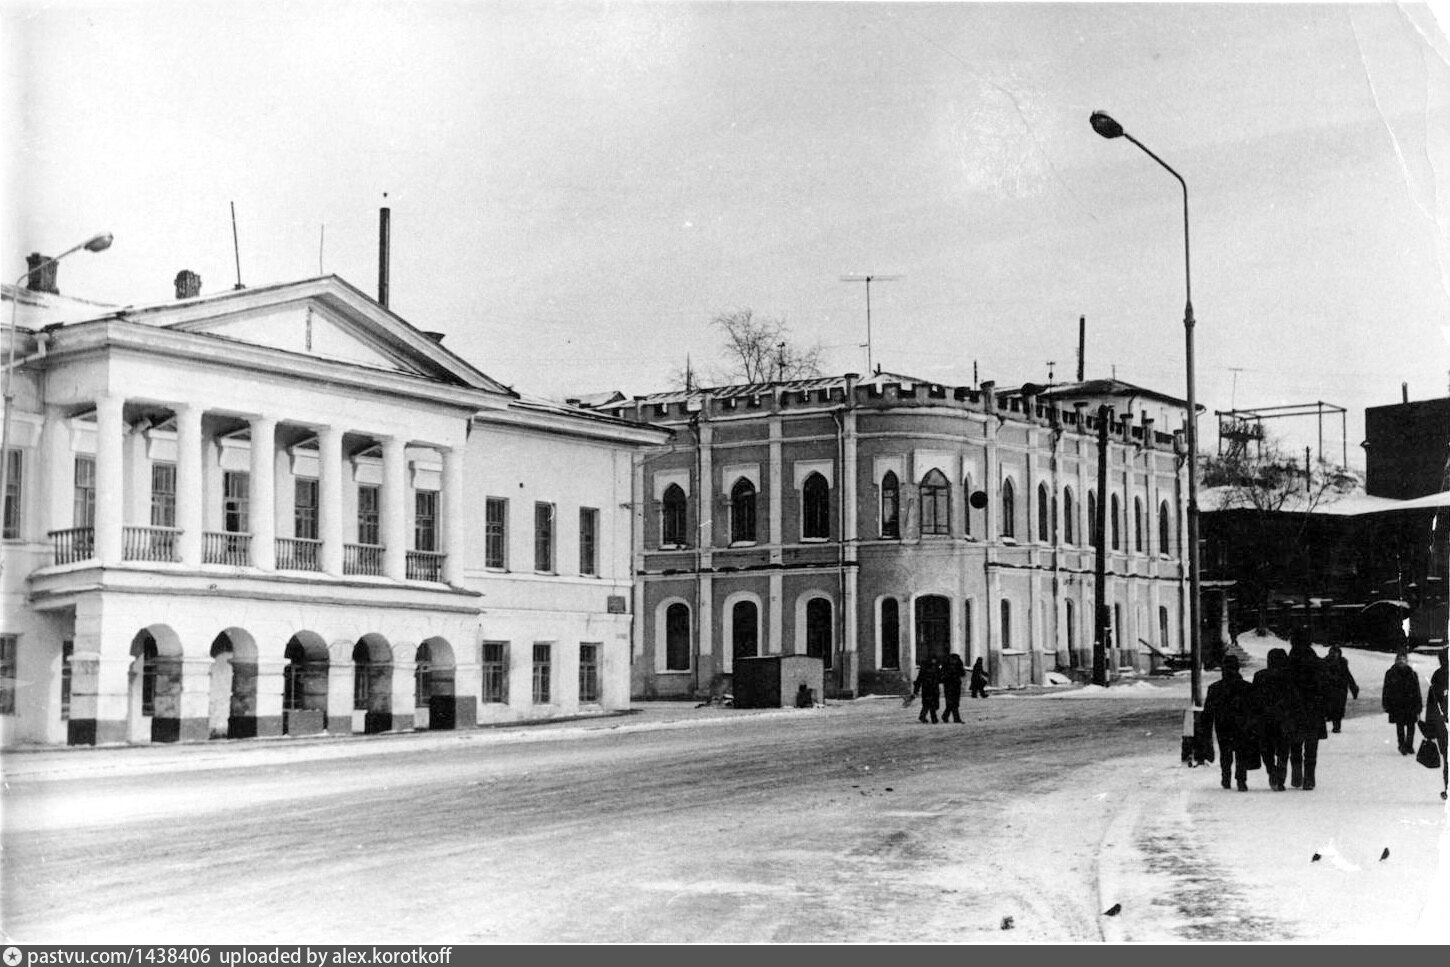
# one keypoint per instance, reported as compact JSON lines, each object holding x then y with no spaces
{"x":1314,"y":858}
{"x":1113,"y":910}
{"x":1385,"y":855}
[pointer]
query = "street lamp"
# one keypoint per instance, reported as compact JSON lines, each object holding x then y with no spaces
{"x":98,"y":243}
{"x":1108,"y":128}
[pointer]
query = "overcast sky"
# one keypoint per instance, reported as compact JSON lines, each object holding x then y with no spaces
{"x":578,"y":188}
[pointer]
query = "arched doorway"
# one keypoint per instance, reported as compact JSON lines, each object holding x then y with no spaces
{"x":233,"y":712}
{"x":304,"y":685}
{"x":154,"y":708}
{"x":372,"y":684}
{"x":433,"y":685}
{"x":933,"y":627}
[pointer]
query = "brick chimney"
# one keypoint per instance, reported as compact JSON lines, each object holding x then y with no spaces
{"x":188,"y":284}
{"x":42,"y":273}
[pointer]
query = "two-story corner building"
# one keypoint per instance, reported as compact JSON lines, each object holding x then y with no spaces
{"x":285,"y":510}
{"x":873,"y":522}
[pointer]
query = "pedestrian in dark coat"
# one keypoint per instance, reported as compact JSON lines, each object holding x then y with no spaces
{"x":1228,"y":711}
{"x":979,"y":680}
{"x":1400,"y":698}
{"x":951,"y":684}
{"x":1306,"y":672}
{"x":1273,"y":701}
{"x":1435,"y":718}
{"x":1338,"y":680}
{"x":928,"y":686}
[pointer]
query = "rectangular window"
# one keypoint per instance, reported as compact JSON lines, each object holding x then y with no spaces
{"x":84,"y":512}
{"x":588,"y":673}
{"x":67,"y":653}
{"x":304,"y":509}
{"x":425,"y":520}
{"x":9,"y":649}
{"x":163,"y":495}
{"x":588,"y":540}
{"x":236,"y":502}
{"x":367,"y":515}
{"x":543,"y":673}
{"x":495,"y":671}
{"x":11,"y":526}
{"x":543,"y":537}
{"x":495,"y":533}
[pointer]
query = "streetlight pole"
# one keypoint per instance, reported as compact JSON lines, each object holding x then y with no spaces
{"x":98,"y":243}
{"x":1108,"y":128}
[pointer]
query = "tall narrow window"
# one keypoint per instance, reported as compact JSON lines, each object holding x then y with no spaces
{"x":1165,"y":545}
{"x":1092,"y":521}
{"x":588,"y":673}
{"x":67,"y":654}
{"x":744,"y":637}
{"x":1069,"y":518}
{"x":422,"y":676}
{"x":890,"y":633}
{"x":1163,"y":637}
{"x":1071,"y":622}
{"x":236,"y":502}
{"x":84,"y":506}
{"x":9,"y":670}
{"x":815,"y":507}
{"x":495,"y":672}
{"x":672,"y":517}
{"x":742,"y":511}
{"x":818,"y":629}
{"x":362,"y":676}
{"x":967,"y":507}
{"x":149,"y":655}
{"x":936,"y":504}
{"x":588,"y":540}
{"x":543,"y":673}
{"x":304,"y":509}
{"x":1006,"y":625}
{"x":1138,"y":524}
{"x":543,"y":537}
{"x":163,"y":495}
{"x":1114,"y":521}
{"x":495,"y":533}
{"x":294,"y":676}
{"x":890,"y":506}
{"x":1009,"y":509}
{"x":1044,"y":514}
{"x":677,"y":638}
{"x":425,"y":520}
{"x":11,"y":526}
{"x":368,"y":520}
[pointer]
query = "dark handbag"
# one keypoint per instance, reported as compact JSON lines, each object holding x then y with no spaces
{"x":1251,"y":758}
{"x":1429,"y":754}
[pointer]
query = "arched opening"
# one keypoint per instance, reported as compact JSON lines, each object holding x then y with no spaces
{"x":672,"y":517}
{"x":677,"y":638}
{"x":890,"y":633}
{"x":936,"y":503}
{"x":1115,"y":516}
{"x":1044,"y":514}
{"x":742,"y":511}
{"x":433,"y":685}
{"x":304,"y":685}
{"x":234,"y":712}
{"x":1069,"y":532}
{"x":933,"y":627}
{"x":1009,"y":509}
{"x":155,"y":686}
{"x":372,"y":684}
{"x":890,"y":506}
{"x":815,"y":507}
{"x":819,"y":637}
{"x":744,"y":630}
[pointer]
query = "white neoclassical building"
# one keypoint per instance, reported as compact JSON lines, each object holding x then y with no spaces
{"x":284,"y":510}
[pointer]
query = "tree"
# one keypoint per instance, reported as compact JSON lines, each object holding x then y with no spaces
{"x":757,"y":349}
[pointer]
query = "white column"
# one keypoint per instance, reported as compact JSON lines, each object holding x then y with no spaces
{"x":110,"y":478}
{"x":329,"y":499}
{"x":263,"y":496}
{"x":59,"y":466}
{"x":453,"y":530}
{"x":394,"y":509}
{"x":190,"y":484}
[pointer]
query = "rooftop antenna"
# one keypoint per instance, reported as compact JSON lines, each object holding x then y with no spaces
{"x":868,"y":279}
{"x":384,"y":247}
{"x":236,"y":249}
{"x":1050,"y":363}
{"x":321,"y":241}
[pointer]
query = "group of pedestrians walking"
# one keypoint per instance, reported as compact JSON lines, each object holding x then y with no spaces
{"x":1277,"y":721}
{"x":942,"y":678}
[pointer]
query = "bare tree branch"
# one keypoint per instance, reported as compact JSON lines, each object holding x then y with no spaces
{"x":758,"y":349}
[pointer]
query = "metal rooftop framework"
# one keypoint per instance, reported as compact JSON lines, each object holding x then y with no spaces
{"x":1242,"y":427}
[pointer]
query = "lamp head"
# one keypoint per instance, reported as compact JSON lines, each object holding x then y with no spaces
{"x":1104,"y":125}
{"x":99,"y":244}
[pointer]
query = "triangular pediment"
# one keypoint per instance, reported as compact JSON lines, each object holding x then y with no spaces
{"x":313,"y":330}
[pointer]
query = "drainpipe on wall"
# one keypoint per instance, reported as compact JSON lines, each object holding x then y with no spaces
{"x":699,"y":530}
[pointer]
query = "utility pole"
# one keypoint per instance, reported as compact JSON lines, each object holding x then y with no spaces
{"x":1101,"y":614}
{"x":868,"y":279}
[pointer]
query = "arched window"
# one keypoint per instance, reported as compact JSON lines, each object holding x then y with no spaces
{"x":1006,"y":625}
{"x":1115,"y":517}
{"x":1165,"y":545}
{"x":149,"y":655}
{"x":890,"y":505}
{"x":936,"y":504}
{"x":672,"y":516}
{"x":1009,"y":509}
{"x":744,"y":638}
{"x":818,"y":629}
{"x":890,"y":633}
{"x":677,"y":638}
{"x":1044,"y":514}
{"x":815,"y":507}
{"x":742,"y":511}
{"x":293,"y":676}
{"x":1138,"y":524}
{"x":1071,"y":621}
{"x":422,"y":671}
{"x":1069,"y":530}
{"x":1092,"y":521}
{"x":967,"y":507}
